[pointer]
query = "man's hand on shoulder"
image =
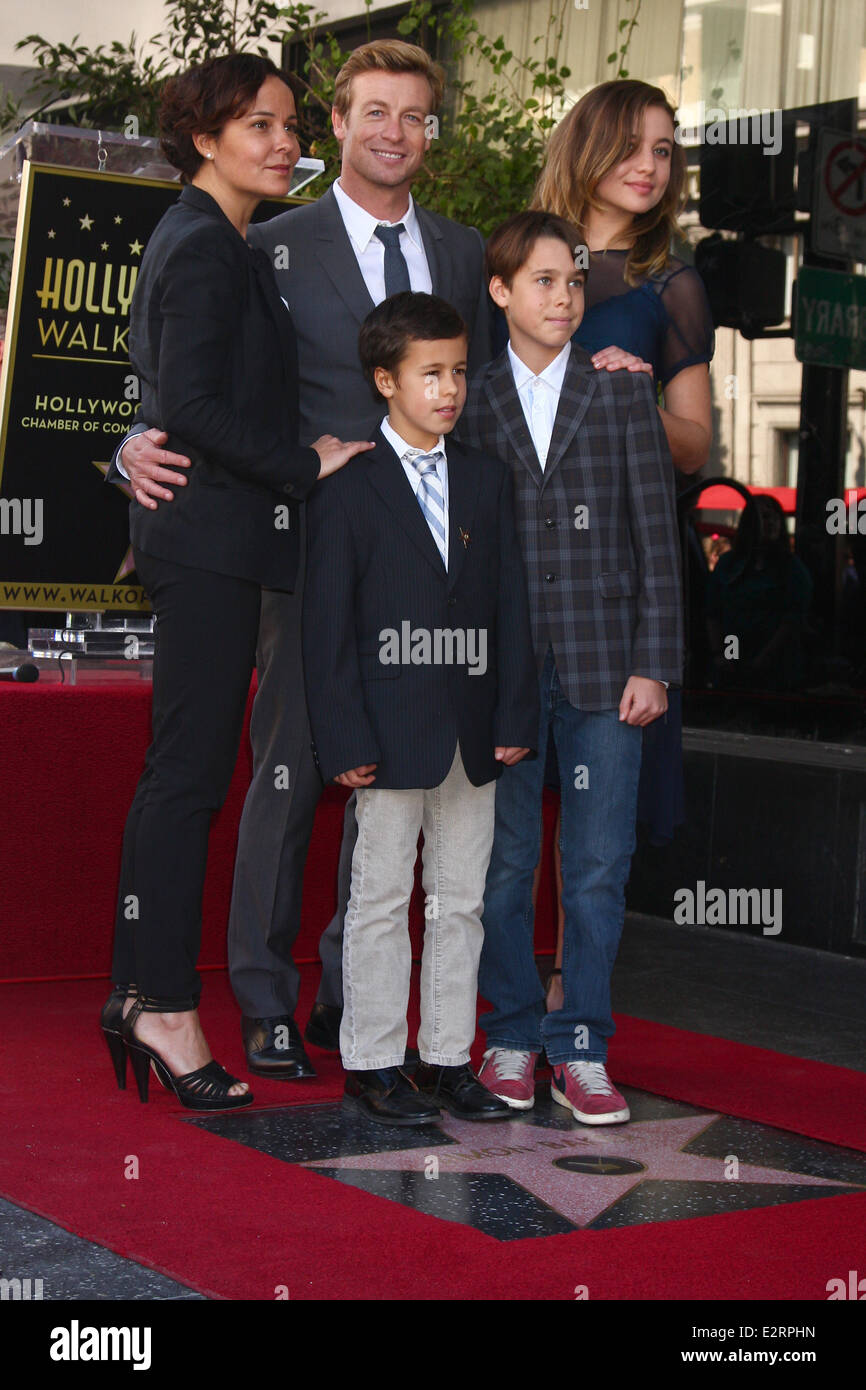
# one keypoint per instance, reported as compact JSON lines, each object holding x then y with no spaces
{"x":643,"y":700}
{"x":148,"y":466}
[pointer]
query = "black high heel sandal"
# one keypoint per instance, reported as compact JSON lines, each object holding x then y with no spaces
{"x":206,"y":1088}
{"x":110,"y":1022}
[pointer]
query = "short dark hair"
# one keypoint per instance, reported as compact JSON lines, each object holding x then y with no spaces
{"x":511,"y":243}
{"x":399,"y":320}
{"x":201,"y":100}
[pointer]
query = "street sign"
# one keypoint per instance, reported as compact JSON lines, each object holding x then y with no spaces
{"x":830,"y":321}
{"x":839,"y":200}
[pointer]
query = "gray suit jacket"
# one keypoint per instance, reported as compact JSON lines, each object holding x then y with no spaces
{"x":604,"y":582}
{"x":325,"y":291}
{"x":319,"y":278}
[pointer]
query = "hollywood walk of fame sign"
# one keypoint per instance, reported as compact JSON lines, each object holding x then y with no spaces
{"x":67,"y":390}
{"x":542,"y":1174}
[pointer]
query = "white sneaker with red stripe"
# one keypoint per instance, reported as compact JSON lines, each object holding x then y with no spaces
{"x":586,"y":1090}
{"x":510,"y":1074}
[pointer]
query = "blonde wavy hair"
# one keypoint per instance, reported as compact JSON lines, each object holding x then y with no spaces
{"x":591,"y":139}
{"x":387,"y":55}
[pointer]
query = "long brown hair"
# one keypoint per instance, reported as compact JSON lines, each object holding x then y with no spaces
{"x":590,"y":140}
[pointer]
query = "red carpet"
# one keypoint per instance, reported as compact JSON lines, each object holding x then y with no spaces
{"x":236,"y":1224}
{"x":71,"y":757}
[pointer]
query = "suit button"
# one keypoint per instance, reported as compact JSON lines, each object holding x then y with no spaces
{"x":549,"y":578}
{"x":549,"y":522}
{"x":451,"y":602}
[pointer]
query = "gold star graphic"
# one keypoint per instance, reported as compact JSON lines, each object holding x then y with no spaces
{"x":85,"y":222}
{"x":117,"y":221}
{"x":135,"y":248}
{"x":103,"y":246}
{"x":52,"y":235}
{"x":66,"y":202}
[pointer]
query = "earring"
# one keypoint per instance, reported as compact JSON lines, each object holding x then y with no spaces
{"x":208,"y":156}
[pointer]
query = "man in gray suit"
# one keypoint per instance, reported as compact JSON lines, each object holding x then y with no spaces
{"x":334,"y":259}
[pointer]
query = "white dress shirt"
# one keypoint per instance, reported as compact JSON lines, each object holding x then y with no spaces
{"x":539,"y":396}
{"x":406,"y":453}
{"x":370,"y":251}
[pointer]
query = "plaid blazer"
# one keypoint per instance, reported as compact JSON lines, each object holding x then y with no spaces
{"x":597,"y":526}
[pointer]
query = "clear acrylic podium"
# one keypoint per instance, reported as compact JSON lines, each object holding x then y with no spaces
{"x":110,"y":151}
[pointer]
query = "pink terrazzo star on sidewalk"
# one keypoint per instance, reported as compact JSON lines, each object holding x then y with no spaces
{"x":526,"y":1154}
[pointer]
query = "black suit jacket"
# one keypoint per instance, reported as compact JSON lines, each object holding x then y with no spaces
{"x":214,"y":349}
{"x":373,"y":567}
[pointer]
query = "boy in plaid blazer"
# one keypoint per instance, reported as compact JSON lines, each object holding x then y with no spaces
{"x":594,"y":502}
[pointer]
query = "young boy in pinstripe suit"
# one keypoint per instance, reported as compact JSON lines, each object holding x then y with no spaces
{"x":421,"y":689}
{"x":594,"y":503}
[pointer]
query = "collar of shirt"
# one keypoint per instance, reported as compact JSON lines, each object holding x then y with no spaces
{"x":553,"y":374}
{"x":402,"y":448}
{"x":361,"y":225}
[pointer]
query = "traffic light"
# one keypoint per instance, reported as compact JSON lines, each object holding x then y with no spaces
{"x":747,"y":174}
{"x":745,"y":283}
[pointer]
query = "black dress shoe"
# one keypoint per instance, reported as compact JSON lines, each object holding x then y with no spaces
{"x":458,"y":1090}
{"x":323,"y":1029}
{"x":389,"y":1098}
{"x":274,"y":1048}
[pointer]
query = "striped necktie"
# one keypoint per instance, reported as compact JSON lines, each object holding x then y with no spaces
{"x":430,"y":497}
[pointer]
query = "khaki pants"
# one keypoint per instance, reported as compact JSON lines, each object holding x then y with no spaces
{"x":457,"y":821}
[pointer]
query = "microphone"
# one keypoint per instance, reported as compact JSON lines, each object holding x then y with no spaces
{"x":25,"y":672}
{"x":40,"y":110}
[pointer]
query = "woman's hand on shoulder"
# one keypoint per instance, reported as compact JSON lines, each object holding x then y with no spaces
{"x":616,"y":359}
{"x":334,"y":453}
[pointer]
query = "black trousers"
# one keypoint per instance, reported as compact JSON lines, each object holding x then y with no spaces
{"x":277,"y":821}
{"x":206,"y":629}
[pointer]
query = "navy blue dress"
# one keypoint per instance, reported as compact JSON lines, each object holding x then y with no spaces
{"x":666,"y":320}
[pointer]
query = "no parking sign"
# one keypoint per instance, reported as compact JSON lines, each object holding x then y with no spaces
{"x":839,"y":209}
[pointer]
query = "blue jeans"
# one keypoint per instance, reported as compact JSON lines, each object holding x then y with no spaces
{"x":597,"y":842}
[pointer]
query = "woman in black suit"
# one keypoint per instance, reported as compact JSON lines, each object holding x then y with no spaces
{"x":214,"y":349}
